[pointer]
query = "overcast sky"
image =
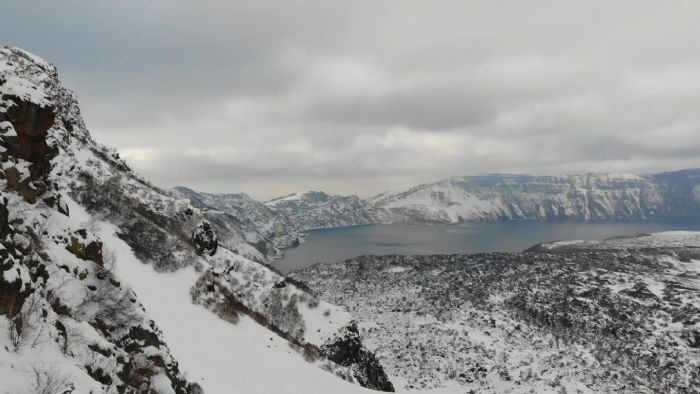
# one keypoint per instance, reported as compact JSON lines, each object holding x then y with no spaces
{"x":361,"y":96}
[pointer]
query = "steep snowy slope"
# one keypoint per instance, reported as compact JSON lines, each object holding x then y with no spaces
{"x":220,"y":356}
{"x":76,"y":224}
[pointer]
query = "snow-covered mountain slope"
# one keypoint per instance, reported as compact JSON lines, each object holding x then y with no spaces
{"x":622,"y":315}
{"x":269,"y":231}
{"x":667,"y":196}
{"x":76,"y":225}
{"x":313,"y":210}
{"x":220,"y":356}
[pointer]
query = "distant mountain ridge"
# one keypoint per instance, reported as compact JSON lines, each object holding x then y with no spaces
{"x":268,"y":231}
{"x":314,"y":209}
{"x":593,"y":196}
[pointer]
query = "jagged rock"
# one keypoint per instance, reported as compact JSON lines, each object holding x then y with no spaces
{"x":29,"y":188}
{"x":84,"y":248}
{"x":346,"y":349}
{"x":204,"y":239}
{"x":56,"y":201}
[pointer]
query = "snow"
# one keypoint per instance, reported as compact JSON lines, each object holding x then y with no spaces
{"x":664,"y":239}
{"x":558,"y":244}
{"x":18,"y":368}
{"x":9,"y":129}
{"x":397,"y":269}
{"x":25,"y":90}
{"x":218,"y":355}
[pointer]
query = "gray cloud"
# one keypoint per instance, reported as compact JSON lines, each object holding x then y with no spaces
{"x":371,"y":95}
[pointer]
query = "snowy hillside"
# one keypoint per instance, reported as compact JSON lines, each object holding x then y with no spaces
{"x":312,"y":210}
{"x":622,"y":315}
{"x":110,"y":284}
{"x":268,"y":231}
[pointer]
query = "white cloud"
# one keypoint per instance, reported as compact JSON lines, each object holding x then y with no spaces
{"x":363,"y":96}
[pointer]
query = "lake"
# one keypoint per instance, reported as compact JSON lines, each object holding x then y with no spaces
{"x":337,"y":244}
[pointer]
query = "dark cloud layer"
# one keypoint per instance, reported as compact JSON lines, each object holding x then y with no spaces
{"x":363,"y":96}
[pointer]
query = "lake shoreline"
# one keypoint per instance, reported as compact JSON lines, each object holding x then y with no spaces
{"x":341,"y":243}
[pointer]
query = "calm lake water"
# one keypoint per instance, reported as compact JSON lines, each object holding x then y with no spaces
{"x":337,"y":244}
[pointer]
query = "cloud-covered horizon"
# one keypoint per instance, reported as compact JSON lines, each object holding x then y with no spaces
{"x":366,"y":96}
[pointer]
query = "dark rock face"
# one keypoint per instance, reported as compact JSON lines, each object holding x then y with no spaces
{"x":346,"y":349}
{"x":31,"y":122}
{"x":29,"y":188}
{"x":204,"y":239}
{"x":55,"y":200}
{"x":12,"y":296}
{"x":86,"y":250}
{"x":4,"y":226}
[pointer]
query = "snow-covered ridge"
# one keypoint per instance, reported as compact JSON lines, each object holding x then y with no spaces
{"x":264,"y":228}
{"x":596,"y":196}
{"x":313,"y":210}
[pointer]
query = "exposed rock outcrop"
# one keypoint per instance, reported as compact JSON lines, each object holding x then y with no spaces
{"x":346,"y":349}
{"x":31,"y":123}
{"x":84,"y":247}
{"x":204,"y":239}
